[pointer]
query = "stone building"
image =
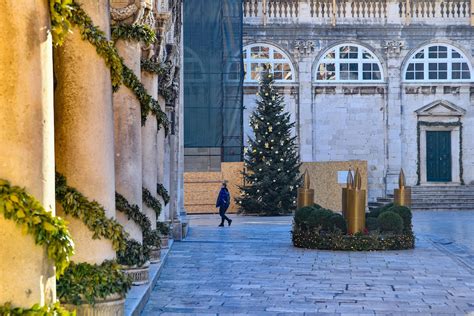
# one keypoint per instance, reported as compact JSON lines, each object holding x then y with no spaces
{"x":387,"y":81}
{"x":64,"y":109}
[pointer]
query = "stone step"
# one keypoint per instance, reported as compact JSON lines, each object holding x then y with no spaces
{"x":443,"y":206}
{"x":385,"y":200}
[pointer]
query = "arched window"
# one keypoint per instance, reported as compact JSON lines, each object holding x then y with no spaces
{"x":349,"y":63}
{"x":257,"y":55}
{"x":438,"y":62}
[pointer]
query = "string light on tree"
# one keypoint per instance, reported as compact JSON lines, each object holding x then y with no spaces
{"x":273,"y":158}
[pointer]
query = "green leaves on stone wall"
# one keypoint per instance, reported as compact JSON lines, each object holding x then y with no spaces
{"x":92,"y":214}
{"x":151,"y":201}
{"x":33,"y":219}
{"x":137,"y":32}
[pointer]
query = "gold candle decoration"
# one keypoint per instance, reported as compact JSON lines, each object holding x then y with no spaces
{"x":349,"y":185}
{"x":305,"y":194}
{"x":355,"y":206}
{"x":402,"y":195}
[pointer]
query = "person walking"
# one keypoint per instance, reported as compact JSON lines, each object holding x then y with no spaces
{"x":223,"y":202}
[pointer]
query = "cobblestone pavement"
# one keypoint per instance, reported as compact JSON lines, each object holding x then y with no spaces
{"x":252,"y":268}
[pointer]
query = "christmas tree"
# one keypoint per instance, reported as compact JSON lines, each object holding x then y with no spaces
{"x":271,"y":159}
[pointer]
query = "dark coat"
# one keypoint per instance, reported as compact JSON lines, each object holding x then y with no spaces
{"x":223,"y":200}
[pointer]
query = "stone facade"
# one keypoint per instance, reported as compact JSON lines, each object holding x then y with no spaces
{"x":376,"y":121}
{"x":67,"y":118}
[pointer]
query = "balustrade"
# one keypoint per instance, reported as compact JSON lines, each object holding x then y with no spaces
{"x":447,"y":12}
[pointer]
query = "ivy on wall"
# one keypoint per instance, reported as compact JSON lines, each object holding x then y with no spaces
{"x":37,"y":310}
{"x":92,"y":214}
{"x":161,"y":191}
{"x":48,"y":230}
{"x":134,"y":254}
{"x":137,"y":32}
{"x":443,"y":124}
{"x":152,"y":66}
{"x":151,"y":201}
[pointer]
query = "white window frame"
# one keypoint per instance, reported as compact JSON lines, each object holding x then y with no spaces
{"x":272,"y":61}
{"x":426,"y":61}
{"x":360,"y":61}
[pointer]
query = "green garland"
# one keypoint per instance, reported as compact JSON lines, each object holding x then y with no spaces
{"x":27,"y":212}
{"x":151,"y":201}
{"x":84,"y":283}
{"x":92,"y":214}
{"x":65,"y":13}
{"x":152,"y":66}
{"x":137,"y":32}
{"x":161,"y":191}
{"x":135,"y":254}
{"x":37,"y":310}
{"x":133,"y":213}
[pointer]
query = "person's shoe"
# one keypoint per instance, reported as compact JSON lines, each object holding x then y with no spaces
{"x":229,"y":222}
{"x":221,"y":225}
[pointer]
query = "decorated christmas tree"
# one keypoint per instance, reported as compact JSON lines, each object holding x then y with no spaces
{"x":271,"y":159}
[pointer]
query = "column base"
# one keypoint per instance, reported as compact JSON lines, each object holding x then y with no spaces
{"x":177,"y":230}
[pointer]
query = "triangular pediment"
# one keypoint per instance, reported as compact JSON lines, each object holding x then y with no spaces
{"x":440,"y":108}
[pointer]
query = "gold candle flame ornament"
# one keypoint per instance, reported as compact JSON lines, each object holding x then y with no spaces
{"x":402,"y":195}
{"x":353,"y":204}
{"x":305,"y":194}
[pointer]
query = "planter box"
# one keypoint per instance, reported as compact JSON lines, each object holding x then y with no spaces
{"x":111,"y":306}
{"x":139,"y":275}
{"x":165,"y":240}
{"x":155,"y":255}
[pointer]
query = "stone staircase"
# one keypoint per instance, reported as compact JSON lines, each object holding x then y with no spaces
{"x":380,"y":202}
{"x":439,"y":198}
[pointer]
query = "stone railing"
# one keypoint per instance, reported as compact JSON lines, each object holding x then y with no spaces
{"x":439,"y":12}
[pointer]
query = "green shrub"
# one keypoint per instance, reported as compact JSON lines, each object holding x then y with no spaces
{"x":371,"y":223}
{"x":135,"y":254}
{"x":85,"y":283}
{"x":390,"y":222}
{"x":405,"y":214}
{"x":302,"y":214}
{"x":320,"y":218}
{"x":337,"y":222}
{"x":317,"y":206}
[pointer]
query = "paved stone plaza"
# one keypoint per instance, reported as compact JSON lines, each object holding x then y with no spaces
{"x":252,"y":268}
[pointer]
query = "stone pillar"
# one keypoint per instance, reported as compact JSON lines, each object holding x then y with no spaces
{"x":149,"y":147}
{"x":472,"y":12}
{"x":393,"y":117}
{"x":84,"y":129}
{"x":27,"y":277}
{"x":128,"y":139}
{"x":161,"y":162}
{"x":305,"y":109}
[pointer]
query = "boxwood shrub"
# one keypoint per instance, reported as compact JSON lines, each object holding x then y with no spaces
{"x":387,"y":228}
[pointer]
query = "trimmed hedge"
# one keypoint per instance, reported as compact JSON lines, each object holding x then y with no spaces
{"x":387,"y":228}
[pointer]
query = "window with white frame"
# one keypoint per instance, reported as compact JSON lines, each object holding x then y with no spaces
{"x":349,"y":63}
{"x":257,"y":55}
{"x":438,"y":62}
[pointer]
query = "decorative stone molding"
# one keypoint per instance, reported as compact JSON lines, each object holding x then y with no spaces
{"x":142,"y":12}
{"x":430,"y":90}
{"x":362,"y":90}
{"x":140,"y":275}
{"x":393,"y":48}
{"x":303,"y":48}
{"x":121,"y":14}
{"x":441,"y":108}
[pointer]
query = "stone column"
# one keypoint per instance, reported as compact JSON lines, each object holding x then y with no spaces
{"x":27,"y":277}
{"x":84,"y":129}
{"x":161,"y":164}
{"x":305,"y":109}
{"x":393,"y":117}
{"x":149,"y":147}
{"x":128,"y":139}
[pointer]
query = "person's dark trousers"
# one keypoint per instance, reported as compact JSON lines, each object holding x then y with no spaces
{"x":222,"y":211}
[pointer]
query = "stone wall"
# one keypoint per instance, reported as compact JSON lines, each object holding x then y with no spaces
{"x":363,"y":121}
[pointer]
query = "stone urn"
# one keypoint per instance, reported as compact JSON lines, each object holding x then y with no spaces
{"x":155,"y":254}
{"x":165,"y":241}
{"x":139,"y":275}
{"x":112,"y":305}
